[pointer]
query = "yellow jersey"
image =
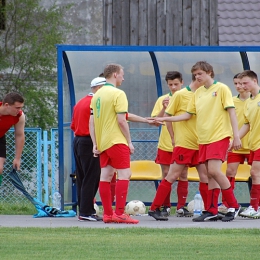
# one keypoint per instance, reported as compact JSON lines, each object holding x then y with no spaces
{"x":210,"y":106}
{"x":165,"y":141}
{"x":239,"y":106}
{"x":106,"y":104}
{"x":185,"y":134}
{"x":252,"y":117}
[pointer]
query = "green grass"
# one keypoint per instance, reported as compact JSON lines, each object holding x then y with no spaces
{"x":128,"y":243}
{"x":21,"y":208}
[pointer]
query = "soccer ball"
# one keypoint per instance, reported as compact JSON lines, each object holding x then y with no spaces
{"x":135,"y":207}
{"x":96,"y":207}
{"x":190,"y":206}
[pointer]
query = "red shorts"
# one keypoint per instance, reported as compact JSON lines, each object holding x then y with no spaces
{"x":237,"y":158}
{"x":185,"y":156}
{"x":216,"y":150}
{"x":118,"y":156}
{"x":163,"y":157}
{"x":254,"y":156}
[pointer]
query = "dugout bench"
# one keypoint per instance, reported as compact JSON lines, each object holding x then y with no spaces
{"x":146,"y":170}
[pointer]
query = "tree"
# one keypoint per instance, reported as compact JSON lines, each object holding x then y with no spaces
{"x":28,"y":56}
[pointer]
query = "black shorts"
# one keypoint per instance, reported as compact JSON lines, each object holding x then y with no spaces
{"x":2,"y":147}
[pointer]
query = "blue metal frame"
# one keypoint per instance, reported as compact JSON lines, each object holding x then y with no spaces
{"x":62,"y":57}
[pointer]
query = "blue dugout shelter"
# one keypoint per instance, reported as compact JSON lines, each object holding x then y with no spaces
{"x":145,"y":68}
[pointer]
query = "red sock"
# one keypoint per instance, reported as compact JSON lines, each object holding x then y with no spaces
{"x":182,"y":192}
{"x":232,"y":183}
{"x":203,"y":188}
{"x":121,"y":194}
{"x":230,"y":198}
{"x":163,"y":190}
{"x":167,"y":201}
{"x":104,"y":191}
{"x":113,"y":187}
{"x":254,"y":196}
{"x":212,"y":201}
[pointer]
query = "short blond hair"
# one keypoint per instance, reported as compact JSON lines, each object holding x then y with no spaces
{"x":112,"y":68}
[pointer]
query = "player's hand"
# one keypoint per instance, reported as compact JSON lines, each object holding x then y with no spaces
{"x":165,"y":102}
{"x":96,"y":152}
{"x":173,"y":142}
{"x":230,"y":147}
{"x":16,"y":164}
{"x":131,"y":148}
{"x":152,"y":121}
{"x":236,"y":143}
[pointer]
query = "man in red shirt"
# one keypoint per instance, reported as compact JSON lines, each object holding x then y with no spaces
{"x":87,"y":166}
{"x":11,"y":115}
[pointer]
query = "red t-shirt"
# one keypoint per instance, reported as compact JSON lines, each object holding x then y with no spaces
{"x":81,"y":115}
{"x":7,"y":121}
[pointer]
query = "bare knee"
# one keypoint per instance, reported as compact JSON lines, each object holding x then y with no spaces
{"x":230,"y":172}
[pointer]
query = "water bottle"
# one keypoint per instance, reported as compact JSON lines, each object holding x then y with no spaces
{"x":197,"y":209}
{"x":56,"y":200}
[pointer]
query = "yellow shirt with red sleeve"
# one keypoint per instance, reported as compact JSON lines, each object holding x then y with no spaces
{"x":252,"y":117}
{"x":239,"y":105}
{"x":210,"y":105}
{"x":106,"y":104}
{"x":165,"y":141}
{"x":185,"y":134}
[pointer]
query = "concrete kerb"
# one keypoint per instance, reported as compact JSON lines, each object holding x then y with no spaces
{"x":145,"y":222}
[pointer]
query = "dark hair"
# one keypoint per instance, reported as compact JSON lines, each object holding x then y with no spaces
{"x":171,"y":75}
{"x":236,"y":76}
{"x":248,"y":73}
{"x":101,"y":74}
{"x":112,"y":68}
{"x":13,"y":97}
{"x":203,"y":65}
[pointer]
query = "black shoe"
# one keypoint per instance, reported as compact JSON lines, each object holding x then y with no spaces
{"x":231,"y":214}
{"x":157,"y":215}
{"x":183,"y":212}
{"x":206,"y":216}
{"x":93,"y":217}
{"x":166,"y":211}
{"x":221,"y":215}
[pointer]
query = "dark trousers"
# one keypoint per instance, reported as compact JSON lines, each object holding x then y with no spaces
{"x":87,"y":174}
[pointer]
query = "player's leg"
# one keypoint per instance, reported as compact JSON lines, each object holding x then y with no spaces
{"x":119,"y":158}
{"x":252,"y":210}
{"x":203,"y":185}
{"x":166,"y":210}
{"x":113,"y":187}
{"x":182,"y":194}
{"x":164,"y":158}
{"x":214,"y":170}
{"x":231,"y":172}
{"x":2,"y":156}
{"x":164,"y":189}
{"x":107,"y":173}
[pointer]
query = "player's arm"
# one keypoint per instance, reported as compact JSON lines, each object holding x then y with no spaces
{"x":123,"y":125}
{"x":182,"y":117}
{"x":135,"y":118}
{"x":92,"y":134}
{"x":171,"y":132}
{"x":165,"y":103}
{"x":243,"y":130}
{"x":233,"y":119}
{"x":19,"y":141}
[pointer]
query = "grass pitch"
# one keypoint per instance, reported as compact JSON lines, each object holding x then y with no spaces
{"x":129,"y":243}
